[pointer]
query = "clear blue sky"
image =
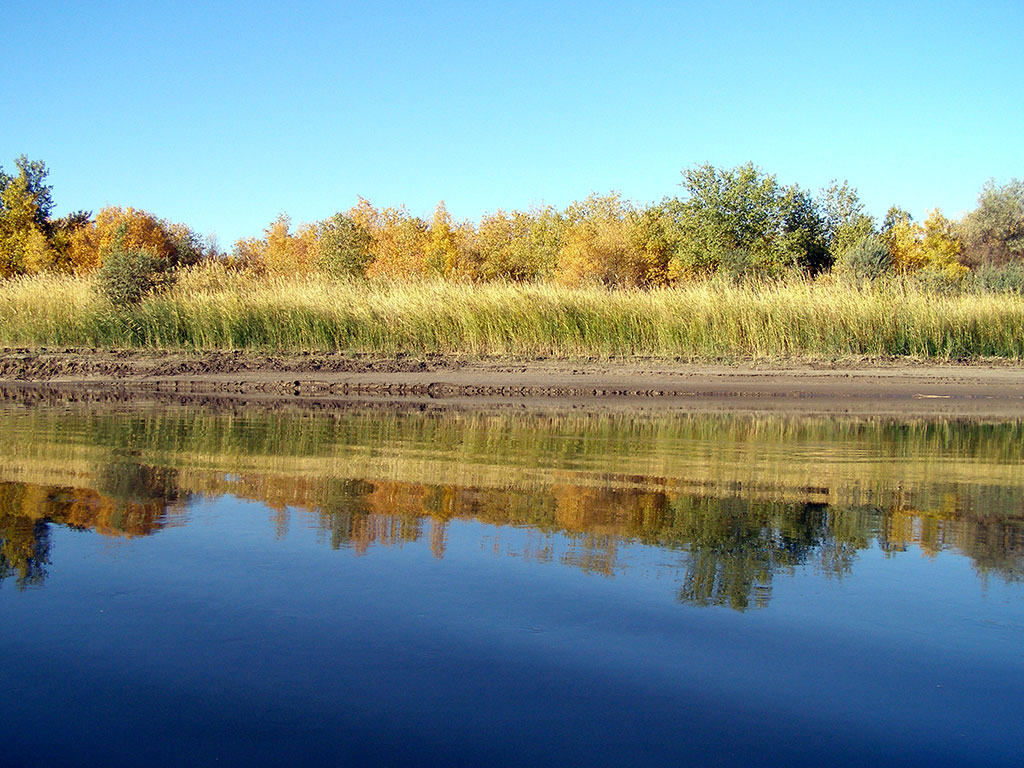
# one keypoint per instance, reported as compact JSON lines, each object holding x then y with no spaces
{"x":221,"y":115}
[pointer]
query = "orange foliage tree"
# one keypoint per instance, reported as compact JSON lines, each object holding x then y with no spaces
{"x":173,"y":244}
{"x":398,"y":241}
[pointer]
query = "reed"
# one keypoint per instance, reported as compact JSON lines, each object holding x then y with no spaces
{"x":213,"y":308}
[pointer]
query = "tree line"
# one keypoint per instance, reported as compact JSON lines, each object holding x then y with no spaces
{"x":734,"y":222}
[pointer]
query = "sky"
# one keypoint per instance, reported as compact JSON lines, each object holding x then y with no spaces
{"x":223,"y":115}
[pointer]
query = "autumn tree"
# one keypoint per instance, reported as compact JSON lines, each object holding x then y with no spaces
{"x":248,"y":253}
{"x":398,"y":241}
{"x":940,"y":245}
{"x":899,"y":233}
{"x":25,"y":208}
{"x":598,"y":244}
{"x":280,"y":251}
{"x":286,"y":253}
{"x":31,"y":174}
{"x":175,"y":245}
{"x":518,"y":246}
{"x":62,"y":233}
{"x":654,"y":239}
{"x":441,"y":251}
{"x":912,"y":247}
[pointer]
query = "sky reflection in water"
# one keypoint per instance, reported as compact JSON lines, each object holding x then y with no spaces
{"x":433,"y":588}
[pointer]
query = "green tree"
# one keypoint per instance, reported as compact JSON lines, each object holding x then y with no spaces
{"x":843,"y":218}
{"x":743,"y":216}
{"x":994,"y":231}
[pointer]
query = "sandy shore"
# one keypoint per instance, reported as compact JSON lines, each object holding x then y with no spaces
{"x":898,"y":387}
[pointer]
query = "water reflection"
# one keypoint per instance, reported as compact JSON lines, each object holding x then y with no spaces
{"x":130,"y":500}
{"x":732,"y":501}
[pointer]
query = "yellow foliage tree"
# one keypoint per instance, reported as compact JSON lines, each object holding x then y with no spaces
{"x":39,"y":256}
{"x":288,"y":253}
{"x":279,"y":251}
{"x":441,"y":251}
{"x":58,"y":256}
{"x":398,"y":241}
{"x":249,"y":253}
{"x":940,"y":246}
{"x":599,"y":246}
{"x":653,"y":248}
{"x":488,"y":250}
{"x":19,"y":231}
{"x":277,"y":256}
{"x":934,"y":245}
{"x":521,"y":245}
{"x":904,"y":244}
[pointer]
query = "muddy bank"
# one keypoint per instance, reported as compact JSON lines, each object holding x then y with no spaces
{"x":22,"y":364}
{"x":333,"y":380}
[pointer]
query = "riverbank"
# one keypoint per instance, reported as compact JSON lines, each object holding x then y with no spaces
{"x":319,"y":380}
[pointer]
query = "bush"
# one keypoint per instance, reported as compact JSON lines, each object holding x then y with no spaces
{"x":1008,"y":278}
{"x":739,"y":265}
{"x":128,"y":274}
{"x":936,"y":281}
{"x":866,"y":259}
{"x":343,"y":247}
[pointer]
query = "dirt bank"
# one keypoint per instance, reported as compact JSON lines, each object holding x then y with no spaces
{"x":845,"y":386}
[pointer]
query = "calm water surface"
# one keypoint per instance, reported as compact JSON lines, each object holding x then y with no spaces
{"x":181,"y":587}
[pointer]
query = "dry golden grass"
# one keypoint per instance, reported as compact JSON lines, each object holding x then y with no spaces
{"x":213,"y":308}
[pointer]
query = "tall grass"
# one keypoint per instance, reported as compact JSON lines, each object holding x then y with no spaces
{"x":212,"y":308}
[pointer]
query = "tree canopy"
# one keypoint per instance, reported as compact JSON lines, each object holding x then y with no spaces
{"x":735,"y":222}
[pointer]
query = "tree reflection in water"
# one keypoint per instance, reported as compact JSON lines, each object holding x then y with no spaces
{"x":734,"y":500}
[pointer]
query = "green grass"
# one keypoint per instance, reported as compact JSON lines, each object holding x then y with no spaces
{"x":211,"y":308}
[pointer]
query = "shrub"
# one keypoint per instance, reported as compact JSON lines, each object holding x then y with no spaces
{"x":129,"y":273}
{"x":1008,"y":278}
{"x":938,"y":281}
{"x":342,"y":247}
{"x":866,"y":259}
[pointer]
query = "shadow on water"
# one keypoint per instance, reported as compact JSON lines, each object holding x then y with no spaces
{"x":732,"y":500}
